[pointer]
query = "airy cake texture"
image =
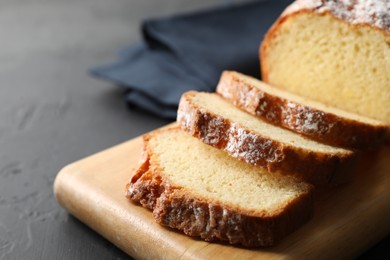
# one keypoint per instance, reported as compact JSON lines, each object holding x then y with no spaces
{"x":333,"y":51}
{"x":312,"y":119}
{"x":218,"y":123}
{"x":200,"y":190}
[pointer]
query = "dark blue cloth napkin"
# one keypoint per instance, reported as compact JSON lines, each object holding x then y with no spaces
{"x":189,"y":52}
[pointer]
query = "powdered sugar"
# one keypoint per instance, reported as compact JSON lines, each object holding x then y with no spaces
{"x":373,"y":12}
{"x":214,"y":131}
{"x":305,"y":120}
{"x":251,"y":147}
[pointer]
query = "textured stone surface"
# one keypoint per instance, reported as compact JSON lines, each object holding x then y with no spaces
{"x":53,"y":113}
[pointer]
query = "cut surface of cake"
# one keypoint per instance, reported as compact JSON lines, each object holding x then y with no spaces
{"x":203,"y":192}
{"x":220,"y":124}
{"x":333,"y":51}
{"x":313,"y":119}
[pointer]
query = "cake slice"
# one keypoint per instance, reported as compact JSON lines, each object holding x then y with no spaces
{"x":313,"y":119}
{"x":333,"y":51}
{"x":200,"y":190}
{"x":220,"y":124}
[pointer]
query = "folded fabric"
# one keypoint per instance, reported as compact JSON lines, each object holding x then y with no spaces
{"x":189,"y":52}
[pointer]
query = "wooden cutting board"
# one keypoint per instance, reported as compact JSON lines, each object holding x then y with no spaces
{"x":348,"y":219}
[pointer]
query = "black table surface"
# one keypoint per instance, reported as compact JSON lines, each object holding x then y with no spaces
{"x":53,"y":113}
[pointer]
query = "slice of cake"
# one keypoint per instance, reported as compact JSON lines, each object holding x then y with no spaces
{"x":220,"y":124}
{"x":313,"y":119}
{"x":333,"y":51}
{"x":200,"y":190}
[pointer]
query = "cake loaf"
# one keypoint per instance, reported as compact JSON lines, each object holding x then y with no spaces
{"x":313,"y":119}
{"x":333,"y":51}
{"x":220,"y":124}
{"x":200,"y":190}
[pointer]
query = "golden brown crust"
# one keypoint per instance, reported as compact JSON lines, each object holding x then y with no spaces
{"x":321,"y":126}
{"x":287,"y":15}
{"x":214,"y":222}
{"x":144,"y":187}
{"x":251,"y":147}
{"x":274,"y":29}
{"x":373,"y":13}
{"x":178,"y":208}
